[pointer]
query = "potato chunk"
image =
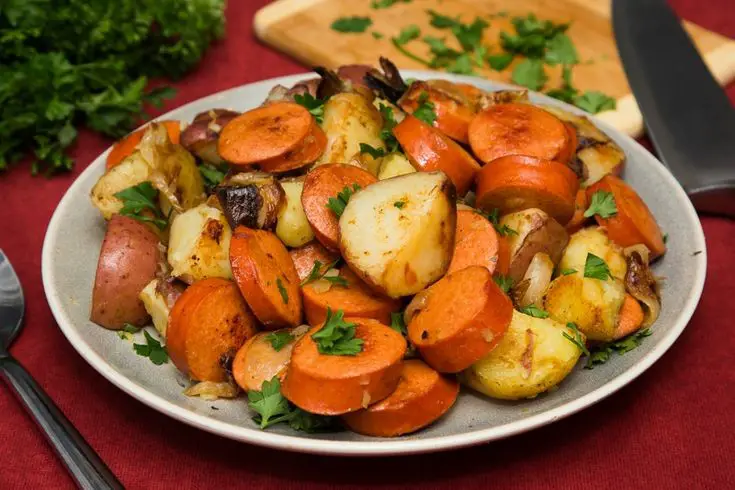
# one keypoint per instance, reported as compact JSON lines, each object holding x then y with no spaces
{"x":595,"y":241}
{"x":393,"y":165}
{"x":199,"y":244}
{"x":398,"y":234}
{"x":293,"y":228}
{"x":535,"y":231}
{"x":533,"y":356}
{"x":130,"y":172}
{"x":593,"y":305}
{"x":349,"y":119}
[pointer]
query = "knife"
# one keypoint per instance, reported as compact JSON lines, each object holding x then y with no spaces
{"x":687,"y":114}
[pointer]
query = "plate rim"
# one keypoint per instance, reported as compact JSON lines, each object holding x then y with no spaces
{"x":375,"y":446}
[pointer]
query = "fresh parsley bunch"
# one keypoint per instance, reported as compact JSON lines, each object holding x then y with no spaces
{"x":67,"y":63}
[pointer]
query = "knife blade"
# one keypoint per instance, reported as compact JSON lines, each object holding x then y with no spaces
{"x":687,"y":114}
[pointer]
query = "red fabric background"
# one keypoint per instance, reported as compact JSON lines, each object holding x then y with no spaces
{"x":671,"y":428}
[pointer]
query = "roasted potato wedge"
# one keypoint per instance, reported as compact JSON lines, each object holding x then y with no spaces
{"x":128,"y":260}
{"x":199,"y":245}
{"x":599,"y":154}
{"x":158,"y":297}
{"x":592,"y":304}
{"x":399,"y":250}
{"x":393,"y":165}
{"x":533,"y":356}
{"x":593,"y":240}
{"x":293,"y":228}
{"x":535,"y":231}
{"x":131,"y":172}
{"x":349,"y":119}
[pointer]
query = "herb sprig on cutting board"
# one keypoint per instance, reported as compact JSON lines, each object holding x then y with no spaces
{"x":528,"y":50}
{"x":71,"y":63}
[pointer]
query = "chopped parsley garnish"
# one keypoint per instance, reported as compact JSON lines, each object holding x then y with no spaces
{"x":282,"y":290}
{"x":441,"y":21}
{"x":503,"y":282}
{"x":601,"y":354}
{"x":389,"y":122}
{"x":602,"y":204}
{"x":534,"y":311}
{"x":152,"y":349}
{"x":399,"y":204}
{"x":500,"y":62}
{"x":312,"y":104}
{"x":377,"y":35}
{"x":352,"y":24}
{"x":493,"y":217}
{"x":315,"y":274}
{"x":140,"y":199}
{"x":566,"y":272}
{"x":337,"y":204}
{"x":530,"y":73}
{"x":577,"y":339}
{"x":337,"y":337}
{"x":372,"y":151}
{"x":560,"y":51}
{"x":271,"y":408}
{"x":594,"y":101}
{"x":425,"y":110}
{"x":127,"y":331}
{"x":384,"y":4}
{"x":212,"y":175}
{"x":280,"y":339}
{"x":397,"y":323}
{"x":666,"y":238}
{"x":596,"y":268}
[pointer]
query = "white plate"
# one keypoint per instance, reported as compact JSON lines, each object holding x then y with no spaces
{"x":71,"y":249}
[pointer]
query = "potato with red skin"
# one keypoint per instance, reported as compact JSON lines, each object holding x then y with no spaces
{"x":200,"y":137}
{"x":128,"y":261}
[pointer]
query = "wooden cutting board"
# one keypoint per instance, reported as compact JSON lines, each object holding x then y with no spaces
{"x":301,"y":28}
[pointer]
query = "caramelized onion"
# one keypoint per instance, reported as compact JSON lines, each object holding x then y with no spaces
{"x":642,"y":285}
{"x":209,"y":390}
{"x":538,"y":276}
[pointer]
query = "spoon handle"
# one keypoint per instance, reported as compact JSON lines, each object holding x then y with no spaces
{"x":85,"y":466}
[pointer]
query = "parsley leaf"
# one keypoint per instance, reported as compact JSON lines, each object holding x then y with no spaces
{"x":560,"y":50}
{"x":566,"y":92}
{"x":399,"y":204}
{"x":377,"y":35}
{"x":282,"y":290}
{"x":314,"y":105}
{"x":212,"y":175}
{"x":438,"y":47}
{"x":469,"y":35}
{"x":269,"y":403}
{"x":534,"y":311}
{"x":316,"y":274}
{"x":337,"y":204}
{"x":373,"y":152}
{"x":337,"y":337}
{"x":500,"y":62}
{"x":127,"y":332}
{"x":594,"y":101}
{"x":397,"y":323}
{"x":596,"y":268}
{"x":493,"y":217}
{"x":666,"y":238}
{"x":152,"y":349}
{"x":602,"y":204}
{"x":279,"y":339}
{"x":140,"y":199}
{"x":462,"y":65}
{"x":425,"y":110}
{"x":577,"y":339}
{"x":384,"y":4}
{"x":566,"y":272}
{"x":389,"y":122}
{"x":408,"y":33}
{"x":530,"y":73}
{"x":601,"y":354}
{"x":352,"y":24}
{"x":441,"y":21}
{"x":505,"y":283}
{"x":271,"y":408}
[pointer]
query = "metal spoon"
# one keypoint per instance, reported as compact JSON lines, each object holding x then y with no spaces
{"x":85,"y":466}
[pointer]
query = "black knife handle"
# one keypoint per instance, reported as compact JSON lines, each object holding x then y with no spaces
{"x":85,"y":466}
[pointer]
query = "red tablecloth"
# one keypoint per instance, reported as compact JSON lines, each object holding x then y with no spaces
{"x":671,"y":428}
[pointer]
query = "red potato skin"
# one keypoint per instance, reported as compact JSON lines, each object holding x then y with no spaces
{"x":128,"y":261}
